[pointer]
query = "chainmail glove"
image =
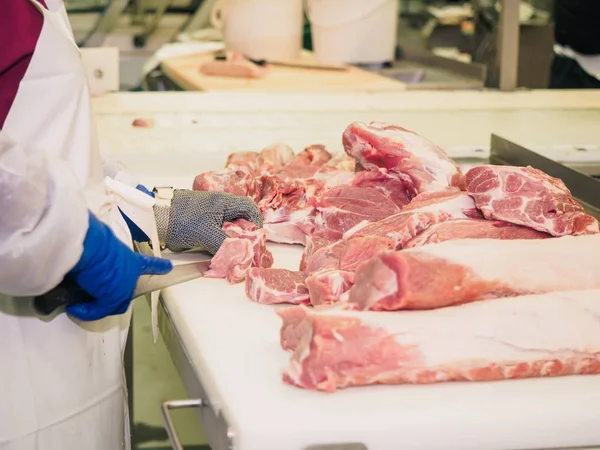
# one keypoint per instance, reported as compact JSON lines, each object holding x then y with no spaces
{"x":195,"y":219}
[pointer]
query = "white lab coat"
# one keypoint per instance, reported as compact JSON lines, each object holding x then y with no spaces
{"x":61,"y":382}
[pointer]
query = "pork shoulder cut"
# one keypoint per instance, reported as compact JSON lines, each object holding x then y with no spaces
{"x":543,"y":335}
{"x":530,"y":197}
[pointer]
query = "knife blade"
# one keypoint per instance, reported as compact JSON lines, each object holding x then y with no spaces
{"x":70,"y":293}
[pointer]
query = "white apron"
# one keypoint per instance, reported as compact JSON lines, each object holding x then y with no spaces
{"x":61,"y":382}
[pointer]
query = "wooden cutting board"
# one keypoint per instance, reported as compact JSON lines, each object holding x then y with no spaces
{"x":185,"y":72}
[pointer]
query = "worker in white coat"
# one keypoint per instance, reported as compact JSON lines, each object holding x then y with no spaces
{"x":61,"y":378}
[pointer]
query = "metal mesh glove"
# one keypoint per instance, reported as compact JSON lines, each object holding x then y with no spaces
{"x":195,"y":219}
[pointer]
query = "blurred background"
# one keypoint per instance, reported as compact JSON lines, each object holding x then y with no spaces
{"x":435,"y":44}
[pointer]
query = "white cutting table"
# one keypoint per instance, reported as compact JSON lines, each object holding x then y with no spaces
{"x":227,"y":348}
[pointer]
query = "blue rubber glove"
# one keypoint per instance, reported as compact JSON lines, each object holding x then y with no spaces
{"x":136,"y":232}
{"x":109,"y":270}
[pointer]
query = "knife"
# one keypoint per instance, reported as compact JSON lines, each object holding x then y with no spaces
{"x":70,"y":293}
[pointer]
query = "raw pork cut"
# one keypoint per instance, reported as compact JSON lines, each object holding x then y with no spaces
{"x":244,"y":229}
{"x":275,"y":156}
{"x":251,"y":160}
{"x":348,"y":254}
{"x":237,"y":180}
{"x":313,"y":243}
{"x":468,"y":270}
{"x":402,"y":151}
{"x":327,"y":286}
{"x":245,"y":247}
{"x":397,"y":186}
{"x":272,"y":286}
{"x":528,"y":196}
{"x":306,"y":163}
{"x":473,"y":229}
{"x":285,"y":209}
{"x":232,"y":261}
{"x":341,"y":208}
{"x":332,"y":267}
{"x":423,"y":211}
{"x":544,"y":335}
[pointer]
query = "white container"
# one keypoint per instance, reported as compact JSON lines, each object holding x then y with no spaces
{"x":261,"y":29}
{"x":354,"y":31}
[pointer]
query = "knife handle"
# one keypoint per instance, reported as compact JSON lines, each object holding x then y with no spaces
{"x":66,"y":293}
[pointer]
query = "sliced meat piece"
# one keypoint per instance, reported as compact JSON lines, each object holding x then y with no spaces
{"x":286,"y":213}
{"x":275,"y":156}
{"x":306,"y":163}
{"x":341,"y":162}
{"x":544,"y":335}
{"x":251,"y":160}
{"x":530,"y":197}
{"x":143,"y":123}
{"x":244,"y":229}
{"x":396,"y":186}
{"x":328,"y":286}
{"x":236,"y":181}
{"x":312,"y":244}
{"x":348,"y":254}
{"x":467,"y":270}
{"x":424,"y":211}
{"x":341,"y":208}
{"x":473,"y":229}
{"x":236,"y":65}
{"x":402,"y":151}
{"x":232,"y":261}
{"x":272,"y":286}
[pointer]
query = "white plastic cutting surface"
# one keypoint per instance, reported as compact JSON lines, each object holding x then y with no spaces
{"x":234,"y":347}
{"x":234,"y":343}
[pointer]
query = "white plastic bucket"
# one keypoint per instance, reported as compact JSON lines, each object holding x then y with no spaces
{"x":261,"y":29}
{"x":353,"y":31}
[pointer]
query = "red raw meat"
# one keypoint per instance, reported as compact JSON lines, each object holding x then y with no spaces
{"x":341,"y":208}
{"x":467,"y":270}
{"x":473,"y":229}
{"x":306,"y":163}
{"x":425,"y":210}
{"x":251,"y":160}
{"x":332,"y":267}
{"x":528,"y":196}
{"x":544,"y":335}
{"x":313,"y":243}
{"x":327,"y":286}
{"x":143,"y":123}
{"x":285,"y":208}
{"x":348,"y":254}
{"x":402,"y":151}
{"x":272,"y":286}
{"x":232,"y":261}
{"x":275,"y":156}
{"x":245,"y":247}
{"x":236,"y":181}
{"x":341,"y":162}
{"x":244,"y":229}
{"x":397,"y":186}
